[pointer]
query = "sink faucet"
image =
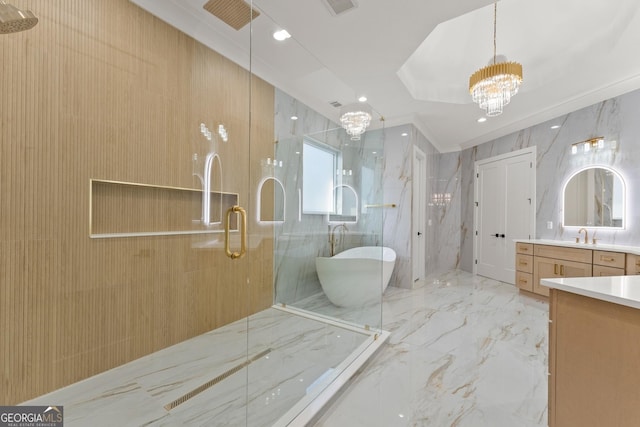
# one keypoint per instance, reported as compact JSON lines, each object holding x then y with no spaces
{"x":586,"y":234}
{"x":333,"y":242}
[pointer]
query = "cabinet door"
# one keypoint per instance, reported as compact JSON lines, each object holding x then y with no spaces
{"x":544,"y":268}
{"x":549,"y":268}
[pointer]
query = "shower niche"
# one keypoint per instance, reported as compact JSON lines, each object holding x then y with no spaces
{"x":122,"y":209}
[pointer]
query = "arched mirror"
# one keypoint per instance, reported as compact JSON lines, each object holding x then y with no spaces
{"x":271,"y":200}
{"x":594,"y":197}
{"x":346,"y":204}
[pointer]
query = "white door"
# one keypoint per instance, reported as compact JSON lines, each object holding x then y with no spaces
{"x":505,"y":210}
{"x":419,"y":248}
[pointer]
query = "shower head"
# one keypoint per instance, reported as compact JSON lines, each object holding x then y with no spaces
{"x":13,"y":19}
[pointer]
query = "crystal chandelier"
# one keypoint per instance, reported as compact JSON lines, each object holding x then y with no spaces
{"x":493,"y":86}
{"x":355,"y":118}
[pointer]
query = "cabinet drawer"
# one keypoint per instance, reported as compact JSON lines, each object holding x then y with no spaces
{"x":524,"y":248}
{"x":562,"y":253}
{"x":611,"y":259}
{"x":633,"y":264}
{"x":604,"y":270}
{"x":524,"y":263}
{"x":524,"y":281}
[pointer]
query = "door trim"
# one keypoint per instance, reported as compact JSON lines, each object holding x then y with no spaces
{"x":419,"y":214}
{"x":477,"y":164}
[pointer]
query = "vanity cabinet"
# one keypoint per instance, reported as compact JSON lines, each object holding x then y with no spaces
{"x":536,"y":261}
{"x":553,"y":262}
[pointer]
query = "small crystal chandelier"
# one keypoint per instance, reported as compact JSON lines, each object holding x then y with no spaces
{"x":355,"y":118}
{"x":493,"y":86}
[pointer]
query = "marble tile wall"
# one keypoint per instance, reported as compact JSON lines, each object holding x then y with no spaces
{"x":446,"y":212}
{"x":615,"y":119}
{"x":443,"y":199}
{"x":397,"y":187}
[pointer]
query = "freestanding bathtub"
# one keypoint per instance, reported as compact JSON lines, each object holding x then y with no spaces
{"x":357,"y":276}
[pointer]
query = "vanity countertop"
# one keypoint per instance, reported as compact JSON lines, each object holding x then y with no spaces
{"x":622,"y":290}
{"x":597,"y":247}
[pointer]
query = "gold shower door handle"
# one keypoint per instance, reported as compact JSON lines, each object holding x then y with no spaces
{"x":243,"y":232}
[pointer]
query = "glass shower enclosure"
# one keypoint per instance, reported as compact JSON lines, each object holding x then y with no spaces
{"x":186,"y":216}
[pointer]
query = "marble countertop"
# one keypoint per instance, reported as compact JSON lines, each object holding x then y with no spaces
{"x":623,"y":290}
{"x":572,"y":244}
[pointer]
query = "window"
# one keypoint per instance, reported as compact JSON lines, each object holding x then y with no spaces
{"x":319,"y":165}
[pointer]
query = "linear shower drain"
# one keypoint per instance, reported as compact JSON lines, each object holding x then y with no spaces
{"x":214,"y":381}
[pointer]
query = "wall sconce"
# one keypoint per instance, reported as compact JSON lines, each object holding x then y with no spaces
{"x":593,"y":144}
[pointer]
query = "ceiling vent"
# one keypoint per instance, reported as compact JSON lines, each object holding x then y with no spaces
{"x":235,"y":13}
{"x":337,"y":7}
{"x":336,"y":104}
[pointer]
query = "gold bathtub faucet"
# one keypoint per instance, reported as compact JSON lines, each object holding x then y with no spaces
{"x":333,"y":242}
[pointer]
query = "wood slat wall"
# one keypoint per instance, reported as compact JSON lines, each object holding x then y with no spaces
{"x":103,"y":90}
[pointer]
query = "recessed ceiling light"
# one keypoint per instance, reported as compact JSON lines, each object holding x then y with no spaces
{"x":362,"y":99}
{"x":555,"y":127}
{"x":404,"y":134}
{"x":281,"y":35}
{"x":294,"y":117}
{"x":482,"y":119}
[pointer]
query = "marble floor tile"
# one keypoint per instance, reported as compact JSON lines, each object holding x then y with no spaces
{"x":464,"y":351}
{"x":289,"y":353}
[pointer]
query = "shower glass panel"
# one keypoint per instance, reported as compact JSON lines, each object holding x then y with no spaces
{"x":306,"y":236}
{"x":310,"y":341}
{"x":301,"y":347}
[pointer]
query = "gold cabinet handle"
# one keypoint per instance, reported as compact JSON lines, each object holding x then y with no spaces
{"x":522,"y":262}
{"x":555,"y":268}
{"x":243,"y":233}
{"x":607,"y":258}
{"x":562,"y":270}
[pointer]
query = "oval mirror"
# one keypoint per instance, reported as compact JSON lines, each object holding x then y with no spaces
{"x":594,"y":197}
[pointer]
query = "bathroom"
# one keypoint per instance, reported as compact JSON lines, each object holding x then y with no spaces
{"x":131,"y":182}
{"x":135,"y":295}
